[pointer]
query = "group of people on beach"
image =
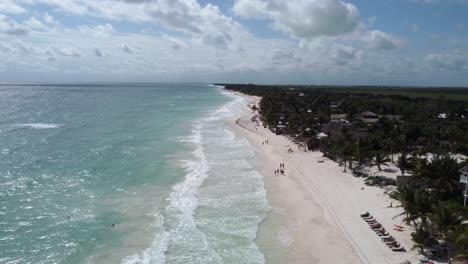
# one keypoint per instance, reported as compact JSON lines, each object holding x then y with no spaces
{"x":266,"y":142}
{"x":281,"y":170}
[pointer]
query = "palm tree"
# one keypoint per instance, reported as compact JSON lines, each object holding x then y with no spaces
{"x":348,"y":150}
{"x":380,"y":160}
{"x":406,"y":196}
{"x":403,"y":163}
{"x":446,"y":217}
{"x":423,"y":202}
{"x":390,"y":145}
{"x":419,"y":167}
{"x":416,"y":203}
{"x":461,"y":242}
{"x":444,"y":173}
{"x":422,"y":238}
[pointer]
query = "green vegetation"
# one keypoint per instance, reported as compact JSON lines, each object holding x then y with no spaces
{"x":401,"y":124}
{"x":363,"y":127}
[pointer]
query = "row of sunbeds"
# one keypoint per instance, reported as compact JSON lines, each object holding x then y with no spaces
{"x":389,"y":240}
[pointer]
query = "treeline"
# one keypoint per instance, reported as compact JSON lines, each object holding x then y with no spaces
{"x":431,"y":203}
{"x":428,"y":125}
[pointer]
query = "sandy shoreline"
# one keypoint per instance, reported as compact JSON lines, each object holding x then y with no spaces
{"x":316,"y":206}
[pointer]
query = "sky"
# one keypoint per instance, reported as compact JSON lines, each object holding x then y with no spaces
{"x":342,"y":42}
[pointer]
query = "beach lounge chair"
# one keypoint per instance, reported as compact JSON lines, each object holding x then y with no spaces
{"x":399,"y":226}
{"x":365,"y":215}
{"x":399,"y":249}
{"x":379,"y":231}
{"x":398,"y":229}
{"x":388,"y":239}
{"x":393,"y":244}
{"x":383,"y":234}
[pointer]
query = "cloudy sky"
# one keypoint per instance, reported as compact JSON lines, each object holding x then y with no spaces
{"x":407,"y":42}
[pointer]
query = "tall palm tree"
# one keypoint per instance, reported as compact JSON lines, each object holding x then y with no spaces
{"x":403,"y":163}
{"x":380,"y":160}
{"x":419,"y":167}
{"x":406,"y":196}
{"x":423,"y":202}
{"x":446,"y":217}
{"x":348,"y":150}
{"x":390,"y":146}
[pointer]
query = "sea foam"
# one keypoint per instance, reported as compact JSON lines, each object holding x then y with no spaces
{"x":39,"y":125}
{"x":213,"y":214}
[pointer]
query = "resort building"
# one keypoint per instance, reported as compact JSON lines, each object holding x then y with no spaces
{"x":338,"y":116}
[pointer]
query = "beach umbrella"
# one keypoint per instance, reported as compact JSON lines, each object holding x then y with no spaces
{"x":321,"y":135}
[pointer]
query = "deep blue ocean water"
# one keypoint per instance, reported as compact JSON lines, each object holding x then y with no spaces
{"x":126,"y":173}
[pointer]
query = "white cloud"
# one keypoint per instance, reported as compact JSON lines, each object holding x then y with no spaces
{"x":9,"y":7}
{"x":303,"y":18}
{"x":383,"y":41}
{"x":126,"y":48}
{"x":50,"y":19}
{"x":455,"y":61}
{"x":5,"y":47}
{"x":11,"y":27}
{"x":68,"y":52}
{"x":34,"y":23}
{"x":99,"y":31}
{"x":343,"y":54}
{"x":206,"y":24}
{"x":327,"y":42}
{"x":131,"y":49}
{"x":176,"y":43}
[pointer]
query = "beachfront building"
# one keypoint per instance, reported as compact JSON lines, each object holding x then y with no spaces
{"x":334,"y":127}
{"x":369,"y":117}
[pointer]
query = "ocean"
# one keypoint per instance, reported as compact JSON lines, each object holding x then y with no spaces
{"x":126,"y":173}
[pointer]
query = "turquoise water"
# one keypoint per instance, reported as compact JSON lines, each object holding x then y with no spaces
{"x":157,"y":161}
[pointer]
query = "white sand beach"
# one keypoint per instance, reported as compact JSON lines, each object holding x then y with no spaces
{"x":320,"y":205}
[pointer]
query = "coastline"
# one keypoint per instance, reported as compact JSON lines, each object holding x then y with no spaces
{"x":316,"y":206}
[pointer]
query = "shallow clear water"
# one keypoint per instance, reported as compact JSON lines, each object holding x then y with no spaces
{"x":156,"y":160}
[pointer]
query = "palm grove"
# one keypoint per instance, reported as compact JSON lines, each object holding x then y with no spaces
{"x":360,"y":129}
